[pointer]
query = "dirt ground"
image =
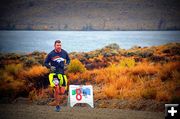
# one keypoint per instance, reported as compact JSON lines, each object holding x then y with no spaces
{"x":32,"y":111}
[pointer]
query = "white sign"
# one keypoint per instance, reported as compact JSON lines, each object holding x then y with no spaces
{"x":81,"y":94}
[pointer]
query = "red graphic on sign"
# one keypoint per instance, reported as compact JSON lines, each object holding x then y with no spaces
{"x":78,"y":94}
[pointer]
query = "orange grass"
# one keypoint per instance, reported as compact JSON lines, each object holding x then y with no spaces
{"x":36,"y":71}
{"x":141,"y":81}
{"x":110,"y":90}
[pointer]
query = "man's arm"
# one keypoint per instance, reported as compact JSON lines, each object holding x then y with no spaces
{"x":67,"y":59}
{"x":47,"y":60}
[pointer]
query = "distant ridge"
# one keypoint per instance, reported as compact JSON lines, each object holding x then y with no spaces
{"x":88,"y":15}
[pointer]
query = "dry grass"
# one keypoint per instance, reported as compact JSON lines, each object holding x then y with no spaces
{"x":145,"y":80}
{"x":110,"y":90}
{"x":13,"y":69}
{"x":134,"y":75}
{"x":35,"y":71}
{"x":13,"y":78}
{"x":169,"y":71}
{"x":144,"y":70}
{"x":40,"y":94}
{"x":76,"y":66}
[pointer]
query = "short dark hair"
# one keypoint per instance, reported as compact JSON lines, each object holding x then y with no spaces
{"x":57,"y":41}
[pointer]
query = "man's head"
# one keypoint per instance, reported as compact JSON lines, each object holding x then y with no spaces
{"x":57,"y":46}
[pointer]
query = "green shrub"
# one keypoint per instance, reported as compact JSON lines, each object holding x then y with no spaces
{"x":127,"y":62}
{"x":30,"y":61}
{"x":13,"y":69}
{"x":113,"y":46}
{"x":146,"y":53}
{"x":23,"y":58}
{"x":37,"y":53}
{"x":114,"y":52}
{"x":136,"y":47}
{"x":129,"y":54}
{"x":76,"y":66}
{"x":106,"y":54}
{"x":172,"y":48}
{"x":12,"y":56}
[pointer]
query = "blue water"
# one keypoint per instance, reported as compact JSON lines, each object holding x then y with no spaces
{"x":82,"y":41}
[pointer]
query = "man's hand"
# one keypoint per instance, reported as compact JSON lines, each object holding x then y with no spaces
{"x":52,"y":68}
{"x":65,"y":67}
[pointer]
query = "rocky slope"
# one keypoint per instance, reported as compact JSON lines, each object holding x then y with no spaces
{"x":90,"y":15}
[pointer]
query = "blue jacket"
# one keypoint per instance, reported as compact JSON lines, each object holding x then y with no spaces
{"x":57,"y":60}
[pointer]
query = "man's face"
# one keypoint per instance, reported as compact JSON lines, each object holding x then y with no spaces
{"x":57,"y":47}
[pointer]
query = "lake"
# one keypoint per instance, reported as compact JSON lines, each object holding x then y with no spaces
{"x":81,"y":41}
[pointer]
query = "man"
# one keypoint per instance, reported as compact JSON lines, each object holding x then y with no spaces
{"x":55,"y":60}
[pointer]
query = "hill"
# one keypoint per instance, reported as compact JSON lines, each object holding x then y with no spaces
{"x":90,"y":15}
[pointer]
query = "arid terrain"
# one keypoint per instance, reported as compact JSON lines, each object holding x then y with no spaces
{"x":25,"y":111}
{"x":133,"y":83}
